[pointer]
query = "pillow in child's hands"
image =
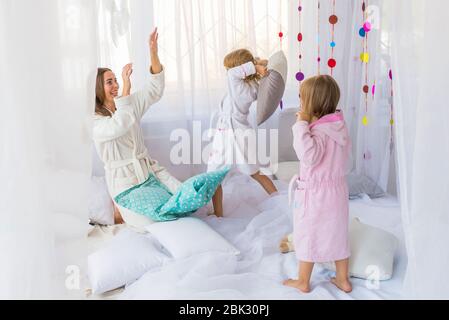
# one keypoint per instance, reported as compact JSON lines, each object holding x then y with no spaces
{"x":189,"y":236}
{"x":125,"y":259}
{"x":272,"y":87}
{"x":372,"y":252}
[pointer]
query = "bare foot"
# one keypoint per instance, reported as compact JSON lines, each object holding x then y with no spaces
{"x":283,"y":247}
{"x":218,"y":215}
{"x":344,"y":285}
{"x":298,"y":284}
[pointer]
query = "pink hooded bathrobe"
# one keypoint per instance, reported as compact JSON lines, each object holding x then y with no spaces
{"x":321,"y":211}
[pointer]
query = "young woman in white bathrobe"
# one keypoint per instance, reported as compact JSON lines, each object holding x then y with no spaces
{"x":231,"y":145}
{"x":118,"y":136}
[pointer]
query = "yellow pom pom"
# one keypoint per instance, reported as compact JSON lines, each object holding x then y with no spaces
{"x":364,"y":57}
{"x":365,"y":121}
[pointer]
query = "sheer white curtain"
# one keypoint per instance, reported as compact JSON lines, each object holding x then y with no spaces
{"x":114,"y":38}
{"x":422,"y":135}
{"x":46,"y":99}
{"x":368,"y":92}
{"x":195,"y":35}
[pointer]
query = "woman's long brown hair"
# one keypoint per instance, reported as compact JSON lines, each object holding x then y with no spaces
{"x":100,"y":109}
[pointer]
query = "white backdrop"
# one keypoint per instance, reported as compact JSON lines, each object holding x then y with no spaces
{"x":196,"y":35}
{"x":46,"y":101}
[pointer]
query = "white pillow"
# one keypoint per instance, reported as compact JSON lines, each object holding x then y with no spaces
{"x":372,"y":252}
{"x":101,"y":207}
{"x":361,"y":184}
{"x":272,"y":87}
{"x":189,"y":236}
{"x":125,"y":259}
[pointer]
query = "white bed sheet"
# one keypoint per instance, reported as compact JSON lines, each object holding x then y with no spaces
{"x":255,"y":224}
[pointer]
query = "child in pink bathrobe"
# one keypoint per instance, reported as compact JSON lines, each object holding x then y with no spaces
{"x":321,"y":215}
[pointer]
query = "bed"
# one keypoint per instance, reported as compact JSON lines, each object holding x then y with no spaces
{"x":255,"y":223}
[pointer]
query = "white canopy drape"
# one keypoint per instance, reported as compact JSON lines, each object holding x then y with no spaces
{"x":420,"y":73}
{"x":47,"y":60}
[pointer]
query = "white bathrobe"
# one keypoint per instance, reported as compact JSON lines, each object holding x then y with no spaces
{"x":120,"y":144}
{"x":234,"y":141}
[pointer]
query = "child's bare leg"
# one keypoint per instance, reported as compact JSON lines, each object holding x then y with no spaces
{"x":342,"y":279}
{"x":217,"y":201}
{"x":265,"y":182}
{"x":303,"y":282}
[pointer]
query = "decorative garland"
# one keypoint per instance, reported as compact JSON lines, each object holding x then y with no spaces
{"x":281,"y":37}
{"x":300,"y":75}
{"x":390,"y":75}
{"x":318,"y":38}
{"x":365,"y":58}
{"x":281,"y":34}
{"x":333,"y":20}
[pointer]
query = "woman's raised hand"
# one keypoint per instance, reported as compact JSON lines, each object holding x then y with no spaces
{"x":153,"y":41}
{"x":127,"y":72}
{"x":156,"y":66}
{"x":126,"y":76}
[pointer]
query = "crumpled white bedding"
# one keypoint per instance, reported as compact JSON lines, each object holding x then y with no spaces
{"x":255,"y":224}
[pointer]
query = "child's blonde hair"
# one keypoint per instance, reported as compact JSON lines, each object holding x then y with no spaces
{"x":239,"y":57}
{"x":319,"y":96}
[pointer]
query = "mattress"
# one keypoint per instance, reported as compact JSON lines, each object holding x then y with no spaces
{"x":255,"y":223}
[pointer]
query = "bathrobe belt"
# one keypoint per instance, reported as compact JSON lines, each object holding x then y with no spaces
{"x":290,"y":188}
{"x":138,"y":170}
{"x":304,"y":185}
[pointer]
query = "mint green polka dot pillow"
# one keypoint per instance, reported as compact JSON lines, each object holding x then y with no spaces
{"x":153,"y":200}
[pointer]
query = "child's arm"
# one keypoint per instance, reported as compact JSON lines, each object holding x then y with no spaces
{"x":309,"y":148}
{"x":238,"y":88}
{"x":242,"y":72}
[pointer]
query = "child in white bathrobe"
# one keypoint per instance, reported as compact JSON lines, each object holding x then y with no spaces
{"x":234,"y":138}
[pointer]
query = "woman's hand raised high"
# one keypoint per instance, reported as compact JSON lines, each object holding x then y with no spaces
{"x":156,"y":66}
{"x":153,"y":42}
{"x":127,"y":72}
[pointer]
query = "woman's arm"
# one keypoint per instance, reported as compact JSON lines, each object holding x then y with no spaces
{"x":154,"y":89}
{"x":126,"y":76}
{"x":156,"y":66}
{"x":111,"y":128}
